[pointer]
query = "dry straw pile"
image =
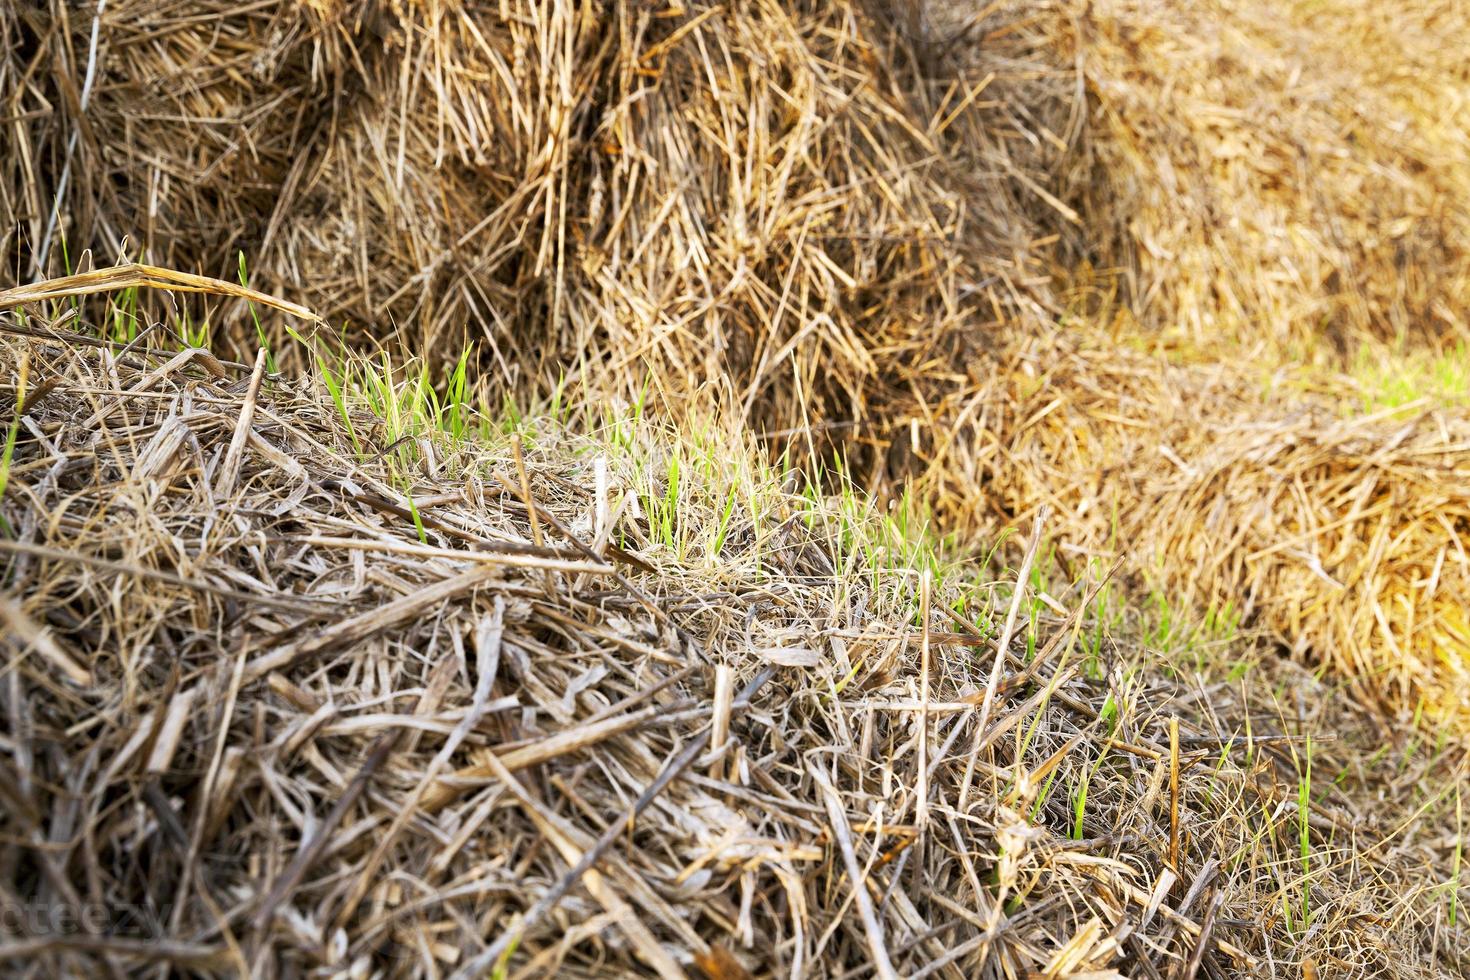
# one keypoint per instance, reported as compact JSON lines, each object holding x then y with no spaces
{"x":1343,"y":533}
{"x":827,"y":218}
{"x":285,"y":720}
{"x":1292,"y":173}
{"x":838,"y":221}
{"x":816,"y":210}
{"x":1275,"y":184}
{"x":166,"y":128}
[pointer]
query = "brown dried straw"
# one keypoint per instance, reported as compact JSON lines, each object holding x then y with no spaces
{"x":1294,"y":173}
{"x":815,"y":211}
{"x":250,"y":702}
{"x":1274,"y":498}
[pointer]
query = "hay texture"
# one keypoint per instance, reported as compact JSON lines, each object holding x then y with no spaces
{"x":1273,"y":497}
{"x":163,"y":130}
{"x":287,"y":721}
{"x":816,"y":211}
{"x":826,"y":219}
{"x":1290,"y":173}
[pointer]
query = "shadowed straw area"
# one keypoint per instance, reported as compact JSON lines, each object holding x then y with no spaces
{"x":303,"y":694}
{"x":163,"y":127}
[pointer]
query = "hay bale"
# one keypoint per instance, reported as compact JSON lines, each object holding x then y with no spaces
{"x":1340,"y":532}
{"x":1347,"y":537}
{"x":800,"y":210}
{"x":256,"y":705}
{"x":797,"y":237}
{"x":1297,"y":173}
{"x":814,"y":212}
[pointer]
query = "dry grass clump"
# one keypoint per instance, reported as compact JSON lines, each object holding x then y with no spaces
{"x":294,"y":685}
{"x":1283,"y":172}
{"x":1341,"y":531}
